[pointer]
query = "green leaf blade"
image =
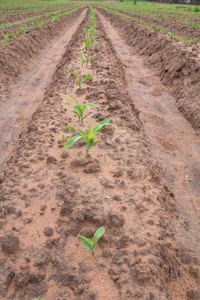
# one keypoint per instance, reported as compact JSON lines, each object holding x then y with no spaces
{"x":88,"y":246}
{"x":72,"y":141}
{"x":98,"y":234}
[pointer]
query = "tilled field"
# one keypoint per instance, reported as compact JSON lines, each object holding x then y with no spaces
{"x":178,"y":66}
{"x":49,"y":195}
{"x":178,"y":29}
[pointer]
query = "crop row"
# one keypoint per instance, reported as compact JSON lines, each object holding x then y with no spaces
{"x":23,"y":29}
{"x":9,"y":25}
{"x":89,"y":136}
{"x":156,"y":10}
{"x":32,"y":10}
{"x":156,"y":28}
{"x":16,"y":7}
{"x":161,"y":17}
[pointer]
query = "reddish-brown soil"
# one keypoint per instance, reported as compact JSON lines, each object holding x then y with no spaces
{"x":177,"y":66}
{"x":21,"y":22}
{"x":129,"y":184}
{"x":181,"y":30}
{"x":15,"y":55}
{"x":15,"y":108}
{"x":27,"y":14}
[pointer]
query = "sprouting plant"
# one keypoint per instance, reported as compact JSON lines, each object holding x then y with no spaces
{"x":6,"y":38}
{"x":87,"y":44}
{"x":92,"y":31}
{"x":88,"y":41}
{"x":170,"y":34}
{"x":12,"y":35}
{"x":90,"y":245}
{"x":22,"y":29}
{"x":39,"y":298}
{"x":157,"y":28}
{"x":89,"y":137}
{"x":87,"y":59}
{"x":80,"y":81}
{"x":198,"y":44}
{"x":191,"y":41}
{"x":80,"y":109}
{"x":62,"y":138}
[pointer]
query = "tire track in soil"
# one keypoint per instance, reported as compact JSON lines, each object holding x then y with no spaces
{"x":28,"y":92}
{"x":175,"y":143}
{"x":49,"y":195}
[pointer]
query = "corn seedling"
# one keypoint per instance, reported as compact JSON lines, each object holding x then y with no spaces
{"x":6,"y":38}
{"x":92,"y":31}
{"x":80,"y":109}
{"x":89,"y":137}
{"x":12,"y":35}
{"x":170,"y":34}
{"x":80,"y":81}
{"x":157,"y":28}
{"x":22,"y":29}
{"x":90,"y":245}
{"x":87,"y":44}
{"x":86,"y":60}
{"x":39,"y":298}
{"x":191,"y":41}
{"x":62,"y":138}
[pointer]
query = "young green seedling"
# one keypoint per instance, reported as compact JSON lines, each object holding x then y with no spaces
{"x":87,"y":60}
{"x":89,"y":138}
{"x":6,"y":38}
{"x":191,"y":41}
{"x":62,"y":138}
{"x":80,"y":109}
{"x":12,"y":35}
{"x":39,"y":298}
{"x":80,"y":81}
{"x":90,"y":245}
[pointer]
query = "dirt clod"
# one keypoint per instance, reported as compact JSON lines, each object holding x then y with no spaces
{"x":48,"y":231}
{"x":9,"y":242}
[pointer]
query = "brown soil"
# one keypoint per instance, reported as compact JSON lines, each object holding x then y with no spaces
{"x":176,"y":149}
{"x":20,"y":17}
{"x":16,"y":110}
{"x":29,"y":24}
{"x":177,"y":66}
{"x":49,"y":195}
{"x":181,"y":30}
{"x":15,"y":56}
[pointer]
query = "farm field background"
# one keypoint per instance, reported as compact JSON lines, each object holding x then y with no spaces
{"x":132,"y":165}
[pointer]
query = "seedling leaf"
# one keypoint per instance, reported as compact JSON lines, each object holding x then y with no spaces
{"x":98,"y":234}
{"x":72,"y":141}
{"x":87,"y":246}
